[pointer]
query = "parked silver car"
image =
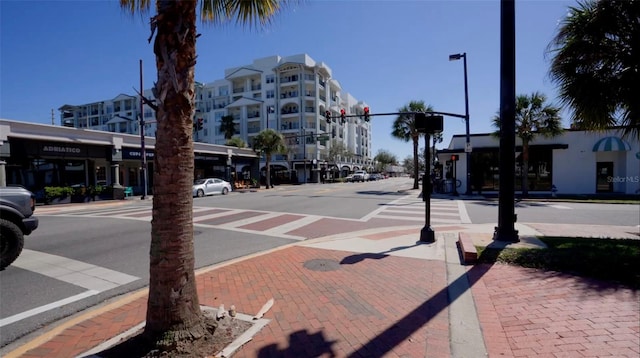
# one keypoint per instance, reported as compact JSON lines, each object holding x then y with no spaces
{"x":210,"y":186}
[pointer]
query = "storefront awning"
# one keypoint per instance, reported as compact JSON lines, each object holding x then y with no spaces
{"x":611,"y":144}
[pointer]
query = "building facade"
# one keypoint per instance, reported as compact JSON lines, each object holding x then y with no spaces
{"x":38,"y":156}
{"x":576,"y":162}
{"x":289,"y":94}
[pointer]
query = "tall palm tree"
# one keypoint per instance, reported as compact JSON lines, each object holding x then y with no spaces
{"x":227,"y":126}
{"x":269,"y":142}
{"x":533,"y":117}
{"x":173,"y":310}
{"x":596,"y":64}
{"x":404,"y":128}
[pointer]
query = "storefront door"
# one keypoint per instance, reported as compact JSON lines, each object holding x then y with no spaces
{"x":604,"y":175}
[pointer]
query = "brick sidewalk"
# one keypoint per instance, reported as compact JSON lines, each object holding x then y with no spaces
{"x":332,"y":303}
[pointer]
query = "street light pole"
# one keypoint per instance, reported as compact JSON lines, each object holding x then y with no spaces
{"x":143,"y":151}
{"x":466,"y":118}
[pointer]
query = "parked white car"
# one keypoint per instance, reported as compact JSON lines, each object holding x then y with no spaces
{"x":360,"y":175}
{"x":210,"y":186}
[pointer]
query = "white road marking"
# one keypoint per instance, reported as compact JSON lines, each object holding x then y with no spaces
{"x":77,"y":273}
{"x":561,"y":207}
{"x":197,"y":219}
{"x":53,"y":305}
{"x":464,"y":216}
{"x":250,"y":220}
{"x":94,"y":278}
{"x":281,"y":229}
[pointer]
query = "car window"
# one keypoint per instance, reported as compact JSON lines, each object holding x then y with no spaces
{"x":198,"y":182}
{"x":217,"y":181}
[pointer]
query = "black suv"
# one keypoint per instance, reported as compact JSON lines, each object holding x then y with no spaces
{"x":16,"y":220}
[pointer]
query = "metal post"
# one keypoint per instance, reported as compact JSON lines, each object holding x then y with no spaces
{"x":466,"y":119}
{"x":505,"y":230}
{"x":143,"y":152}
{"x":304,"y":149}
{"x":427,"y":234}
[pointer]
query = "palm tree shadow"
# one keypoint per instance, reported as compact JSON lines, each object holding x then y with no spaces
{"x":301,"y":344}
{"x":354,"y":259}
{"x":421,"y":315}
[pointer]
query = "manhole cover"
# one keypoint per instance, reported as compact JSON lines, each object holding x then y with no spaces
{"x":322,"y":265}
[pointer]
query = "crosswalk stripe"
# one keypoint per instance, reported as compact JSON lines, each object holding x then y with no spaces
{"x":250,"y":220}
{"x":293,"y":225}
{"x":75,"y":272}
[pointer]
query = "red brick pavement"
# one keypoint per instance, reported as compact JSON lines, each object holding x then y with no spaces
{"x":382,"y":306}
{"x":529,"y":313}
{"x":389,"y":306}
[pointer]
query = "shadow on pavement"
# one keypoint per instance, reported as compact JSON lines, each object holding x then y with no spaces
{"x":354,"y":259}
{"x":301,"y":344}
{"x":421,"y":315}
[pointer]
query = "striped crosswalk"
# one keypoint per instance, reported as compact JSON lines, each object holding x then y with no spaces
{"x":407,"y":208}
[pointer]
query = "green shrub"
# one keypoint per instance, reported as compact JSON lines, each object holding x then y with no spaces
{"x":54,"y":192}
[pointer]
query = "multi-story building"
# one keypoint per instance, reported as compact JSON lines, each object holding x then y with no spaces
{"x":289,"y":94}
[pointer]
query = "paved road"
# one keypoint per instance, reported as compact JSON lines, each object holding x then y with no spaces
{"x":83,"y":255}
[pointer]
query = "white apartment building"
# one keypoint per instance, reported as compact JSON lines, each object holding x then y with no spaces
{"x":289,"y":94}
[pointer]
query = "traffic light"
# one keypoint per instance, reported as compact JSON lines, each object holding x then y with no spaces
{"x":199,"y":125}
{"x":454,"y":157}
{"x":342,"y":116}
{"x":366,"y":114}
{"x":428,"y":123}
{"x":327,"y":115}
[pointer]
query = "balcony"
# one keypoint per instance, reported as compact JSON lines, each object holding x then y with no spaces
{"x":238,"y":90}
{"x":290,"y":126}
{"x":253,"y":129}
{"x":287,"y":79}
{"x":290,"y":94}
{"x":285,"y":111}
{"x":256,"y":87}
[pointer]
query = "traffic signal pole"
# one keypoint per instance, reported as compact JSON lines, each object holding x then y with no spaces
{"x":427,"y":234}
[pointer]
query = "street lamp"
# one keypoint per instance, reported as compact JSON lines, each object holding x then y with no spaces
{"x":270,"y":109}
{"x":466,"y":118}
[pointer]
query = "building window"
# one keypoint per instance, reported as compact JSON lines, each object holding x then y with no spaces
{"x":271,"y":93}
{"x":270,"y":79}
{"x":223,"y":91}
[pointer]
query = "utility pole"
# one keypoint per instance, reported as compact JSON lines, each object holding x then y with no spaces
{"x":143,"y":152}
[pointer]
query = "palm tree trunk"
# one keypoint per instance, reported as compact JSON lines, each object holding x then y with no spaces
{"x":525,"y":168}
{"x":173,"y":310}
{"x":416,"y":163}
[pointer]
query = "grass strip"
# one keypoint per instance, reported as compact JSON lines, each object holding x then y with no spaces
{"x":612,"y":260}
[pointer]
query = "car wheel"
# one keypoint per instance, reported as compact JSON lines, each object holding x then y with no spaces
{"x":225,"y":191}
{"x":11,"y":242}
{"x":200,"y":193}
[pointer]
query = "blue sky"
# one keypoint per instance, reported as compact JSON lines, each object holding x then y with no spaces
{"x":383,"y":52}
